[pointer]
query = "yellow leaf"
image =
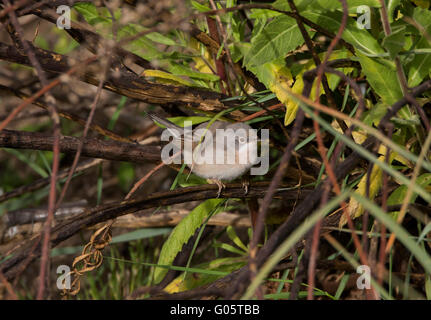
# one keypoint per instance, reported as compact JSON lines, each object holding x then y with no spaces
{"x":200,"y":64}
{"x":354,"y":208}
{"x":166,"y":78}
{"x":292,"y":106}
{"x":175,"y":286}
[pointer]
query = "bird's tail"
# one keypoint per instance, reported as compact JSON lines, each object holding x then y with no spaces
{"x":164,"y":122}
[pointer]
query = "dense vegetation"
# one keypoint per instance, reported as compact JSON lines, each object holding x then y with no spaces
{"x":342,"y":85}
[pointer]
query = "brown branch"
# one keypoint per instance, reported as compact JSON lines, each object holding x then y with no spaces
{"x":95,"y":148}
{"x":64,"y":114}
{"x":128,"y":84}
{"x":214,"y":47}
{"x":107,"y":212}
{"x":93,"y":41}
{"x":20,"y":42}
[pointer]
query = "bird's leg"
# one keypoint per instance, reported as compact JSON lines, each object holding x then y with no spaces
{"x":220,"y":185}
{"x":245,"y":183}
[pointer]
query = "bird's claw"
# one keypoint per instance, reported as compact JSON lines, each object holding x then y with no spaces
{"x":245,"y":185}
{"x":220,"y":185}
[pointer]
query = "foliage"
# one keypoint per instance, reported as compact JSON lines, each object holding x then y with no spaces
{"x":248,"y":50}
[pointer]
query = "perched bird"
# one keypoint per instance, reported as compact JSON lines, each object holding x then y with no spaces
{"x":219,"y":151}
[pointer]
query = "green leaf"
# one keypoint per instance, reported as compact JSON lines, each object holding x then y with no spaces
{"x":199,"y":7}
{"x":394,"y":42}
{"x":185,"y":180}
{"x":160,"y":38}
{"x":361,"y":39}
{"x":195,"y":279}
{"x":230,"y":248}
{"x":91,"y":13}
{"x":142,"y":46}
{"x":382,"y":76}
{"x":186,"y":71}
{"x":179,"y":121}
{"x":235,"y":239}
{"x":263,"y":14}
{"x":279,"y":37}
{"x":375,"y":114}
{"x":421,"y":64}
{"x":165,"y":77}
{"x":398,"y":195}
{"x":182,"y":233}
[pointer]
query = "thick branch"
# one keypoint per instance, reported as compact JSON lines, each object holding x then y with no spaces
{"x":127,"y":84}
{"x":31,"y":250}
{"x":95,"y":148}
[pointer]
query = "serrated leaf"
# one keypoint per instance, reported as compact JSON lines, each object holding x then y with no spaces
{"x":182,"y":233}
{"x":279,"y":37}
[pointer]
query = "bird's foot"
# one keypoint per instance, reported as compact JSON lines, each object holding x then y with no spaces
{"x":245,"y":184}
{"x":220,"y":185}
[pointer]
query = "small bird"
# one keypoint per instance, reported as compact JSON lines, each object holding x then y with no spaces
{"x":237,"y":155}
